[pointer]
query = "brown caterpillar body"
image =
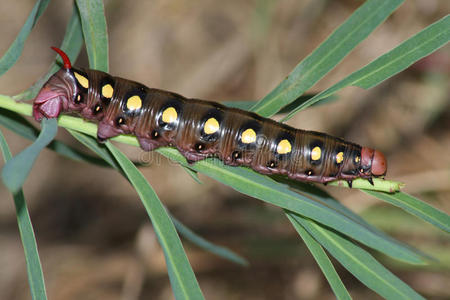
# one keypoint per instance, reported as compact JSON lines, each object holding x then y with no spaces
{"x":200,"y":129}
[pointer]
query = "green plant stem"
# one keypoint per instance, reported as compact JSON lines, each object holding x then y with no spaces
{"x":89,"y":128}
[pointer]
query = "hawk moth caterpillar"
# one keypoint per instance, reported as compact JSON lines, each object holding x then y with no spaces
{"x":200,"y":129}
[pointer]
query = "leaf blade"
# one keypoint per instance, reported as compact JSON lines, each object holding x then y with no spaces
{"x":182,"y":229}
{"x":16,"y":170}
{"x":207,"y":245}
{"x":322,"y":260}
{"x":34,"y":267}
{"x":359,"y":262}
{"x":71,"y":45}
{"x":340,"y":43}
{"x":16,"y":48}
{"x":95,"y":147}
{"x":93,"y":23}
{"x":19,"y":125}
{"x":267,"y":190}
{"x":182,"y":278}
{"x":237,"y":178}
{"x":421,"y":44}
{"x":416,"y":207}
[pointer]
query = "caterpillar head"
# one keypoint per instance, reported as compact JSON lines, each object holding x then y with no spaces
{"x":58,"y":94}
{"x":373,"y":161}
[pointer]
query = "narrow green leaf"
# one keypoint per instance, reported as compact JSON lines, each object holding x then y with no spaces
{"x":95,"y":33}
{"x":256,"y":185}
{"x":244,"y":105}
{"x":319,"y":195}
{"x":416,"y":207}
{"x":18,"y":124}
{"x":207,"y":245}
{"x":247,"y":105}
{"x":322,"y":260}
{"x":420,"y":45}
{"x":71,"y":45}
{"x":16,"y":170}
{"x":182,"y":278}
{"x":93,"y":145}
{"x":16,"y":48}
{"x":193,"y":174}
{"x":100,"y":150}
{"x":340,"y":43}
{"x":34,"y":268}
{"x":22,"y":127}
{"x":359,"y":262}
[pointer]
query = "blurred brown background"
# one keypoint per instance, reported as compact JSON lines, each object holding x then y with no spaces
{"x":93,"y":234}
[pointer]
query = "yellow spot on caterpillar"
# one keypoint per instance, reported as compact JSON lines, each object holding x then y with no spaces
{"x":134,"y":102}
{"x":211,"y":126}
{"x":248,"y":136}
{"x":316,"y":153}
{"x":83,"y":81}
{"x":339,"y":157}
{"x":357,"y":159}
{"x":169,"y":115}
{"x":284,"y":147}
{"x":107,"y":91}
{"x":98,"y":108}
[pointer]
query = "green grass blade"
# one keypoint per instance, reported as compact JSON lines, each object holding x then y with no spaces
{"x":16,"y":48}
{"x":182,"y":278}
{"x":340,"y":43}
{"x":34,"y":268}
{"x":207,"y":245}
{"x":420,"y":45}
{"x":416,"y":207}
{"x":16,"y":170}
{"x":19,"y":125}
{"x":71,"y":45}
{"x":95,"y":34}
{"x":256,"y":185}
{"x":322,"y":260}
{"x":359,"y":262}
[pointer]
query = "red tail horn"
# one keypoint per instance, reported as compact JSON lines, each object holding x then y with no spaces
{"x":65,"y":58}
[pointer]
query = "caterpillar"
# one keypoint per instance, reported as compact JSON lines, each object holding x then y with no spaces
{"x":200,"y":129}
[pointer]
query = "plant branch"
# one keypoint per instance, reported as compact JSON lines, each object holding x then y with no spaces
{"x":89,"y":128}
